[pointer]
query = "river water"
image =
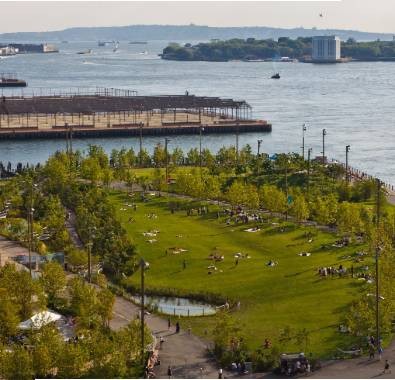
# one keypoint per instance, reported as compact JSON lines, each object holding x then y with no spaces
{"x":354,"y":102}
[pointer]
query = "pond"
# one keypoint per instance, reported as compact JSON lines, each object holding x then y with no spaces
{"x":177,"y":306}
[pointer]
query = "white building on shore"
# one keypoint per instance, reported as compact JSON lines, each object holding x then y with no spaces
{"x":326,"y":49}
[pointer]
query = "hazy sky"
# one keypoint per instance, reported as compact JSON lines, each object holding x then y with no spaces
{"x":365,"y":15}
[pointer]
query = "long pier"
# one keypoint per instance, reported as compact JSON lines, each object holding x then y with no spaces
{"x":113,"y":112}
{"x":90,"y":131}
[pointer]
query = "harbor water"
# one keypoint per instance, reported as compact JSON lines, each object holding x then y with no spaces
{"x":354,"y":102}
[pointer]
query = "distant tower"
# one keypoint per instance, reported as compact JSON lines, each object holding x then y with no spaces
{"x":326,"y":49}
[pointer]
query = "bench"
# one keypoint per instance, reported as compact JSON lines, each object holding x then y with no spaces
{"x":350,"y":353}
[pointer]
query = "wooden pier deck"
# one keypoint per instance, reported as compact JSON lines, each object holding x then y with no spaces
{"x":123,"y":114}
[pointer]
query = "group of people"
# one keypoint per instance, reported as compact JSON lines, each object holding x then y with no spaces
{"x":239,"y":215}
{"x":332,"y":271}
{"x":293,"y":368}
{"x":197,"y":211}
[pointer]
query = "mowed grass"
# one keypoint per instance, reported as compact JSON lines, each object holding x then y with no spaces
{"x":289,"y":294}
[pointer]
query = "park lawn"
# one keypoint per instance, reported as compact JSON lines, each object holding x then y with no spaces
{"x":289,"y":294}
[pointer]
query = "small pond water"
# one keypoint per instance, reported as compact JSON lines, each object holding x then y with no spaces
{"x":177,"y":306}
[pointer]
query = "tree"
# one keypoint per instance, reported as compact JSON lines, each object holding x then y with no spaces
{"x":272,"y":198}
{"x":83,"y":303}
{"x":91,"y":170}
{"x":300,"y":209}
{"x":177,"y":157}
{"x":228,"y":339}
{"x":106,"y":300}
{"x":53,"y":279}
{"x":17,"y":364}
{"x":235,"y":193}
{"x":159,"y":156}
{"x":9,"y":319}
{"x":12,"y":281}
{"x":193,"y":157}
{"x":46,"y":348}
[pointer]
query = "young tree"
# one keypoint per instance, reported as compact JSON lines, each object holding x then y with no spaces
{"x":9,"y":318}
{"x":300,"y":209}
{"x":53,"y":280}
{"x":106,"y":300}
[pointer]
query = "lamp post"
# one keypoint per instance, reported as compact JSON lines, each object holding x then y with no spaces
{"x":167,"y":140}
{"x":323,"y":145}
{"x":201,"y":129}
{"x":237,"y":143}
{"x":304,"y":128}
{"x":286,"y":187}
{"x":141,"y":144}
{"x":347,"y":150}
{"x":143,"y":266}
{"x":89,"y":246}
{"x":30,"y":225}
{"x":259,"y":147}
{"x":377,"y":261}
{"x":308,"y":171}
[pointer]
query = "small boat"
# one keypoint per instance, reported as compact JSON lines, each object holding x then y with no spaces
{"x":9,"y":80}
{"x":276,"y":76}
{"x":115,"y":47}
{"x":138,"y":43}
{"x":89,"y":51}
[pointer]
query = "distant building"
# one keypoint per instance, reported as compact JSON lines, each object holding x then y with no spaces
{"x":326,"y":49}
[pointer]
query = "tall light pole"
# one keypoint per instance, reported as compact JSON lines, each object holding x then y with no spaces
{"x":308,"y":171}
{"x":167,"y":140}
{"x":323,"y":145}
{"x":237,"y":143}
{"x":143,"y":266}
{"x":304,"y":128}
{"x":201,"y":129}
{"x":30,"y":226}
{"x":347,"y":150}
{"x":141,"y":144}
{"x":89,"y":245}
{"x":259,"y":147}
{"x":286,"y":187}
{"x":377,"y":261}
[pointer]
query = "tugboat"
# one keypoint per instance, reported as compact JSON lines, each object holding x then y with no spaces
{"x":10,"y":80}
{"x":276,"y":76}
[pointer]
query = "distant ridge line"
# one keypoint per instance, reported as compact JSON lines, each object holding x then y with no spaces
{"x":182,"y":32}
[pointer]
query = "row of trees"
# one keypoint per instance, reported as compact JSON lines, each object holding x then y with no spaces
{"x":251,"y":48}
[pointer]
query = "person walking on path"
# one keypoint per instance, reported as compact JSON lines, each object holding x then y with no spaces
{"x":177,"y":327}
{"x":387,"y":368}
{"x":169,"y":372}
{"x":168,"y":323}
{"x":380,"y":351}
{"x":220,"y":374}
{"x":371,"y":352}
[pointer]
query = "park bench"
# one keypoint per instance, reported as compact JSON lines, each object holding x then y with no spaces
{"x":350,"y":353}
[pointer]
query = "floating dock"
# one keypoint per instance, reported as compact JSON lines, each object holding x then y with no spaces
{"x":113,"y":112}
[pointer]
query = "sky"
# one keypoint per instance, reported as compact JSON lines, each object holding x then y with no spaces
{"x":363,"y":15}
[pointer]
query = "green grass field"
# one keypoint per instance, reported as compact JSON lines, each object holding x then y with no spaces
{"x":289,"y":294}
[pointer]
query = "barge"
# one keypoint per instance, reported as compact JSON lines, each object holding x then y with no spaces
{"x":10,"y":80}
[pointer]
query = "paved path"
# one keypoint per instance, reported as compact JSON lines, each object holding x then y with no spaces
{"x":359,"y":368}
{"x":185,"y":353}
